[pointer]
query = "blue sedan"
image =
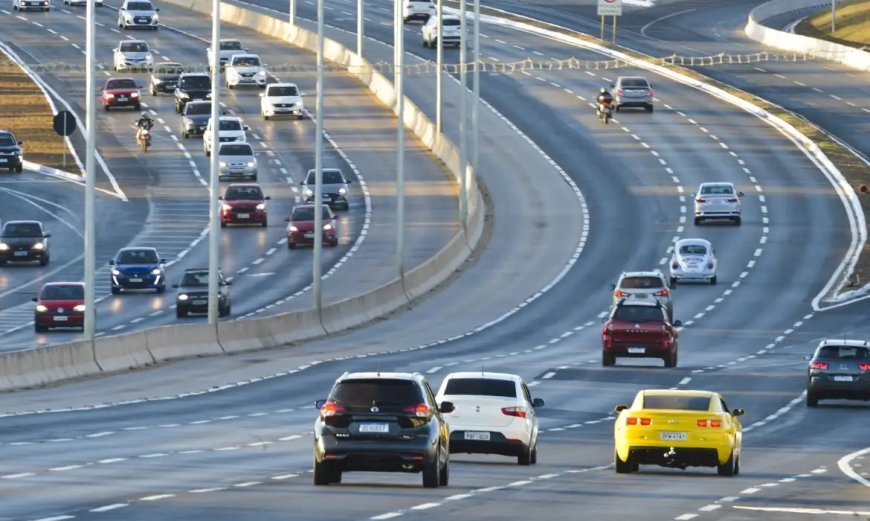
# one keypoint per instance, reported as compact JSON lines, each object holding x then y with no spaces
{"x":138,"y":268}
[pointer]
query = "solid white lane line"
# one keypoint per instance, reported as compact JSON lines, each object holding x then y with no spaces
{"x":795,"y":510}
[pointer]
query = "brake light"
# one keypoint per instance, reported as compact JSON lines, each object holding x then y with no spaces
{"x":638,"y":421}
{"x":650,"y":91}
{"x":709,"y":423}
{"x":818,"y":365}
{"x":864,"y":367}
{"x":420,"y":410}
{"x":619,"y":293}
{"x":519,"y":412}
{"x":715,"y":423}
{"x":331,"y":408}
{"x":700,"y":200}
{"x":701,"y":423}
{"x":619,"y":92}
{"x":663,"y":293}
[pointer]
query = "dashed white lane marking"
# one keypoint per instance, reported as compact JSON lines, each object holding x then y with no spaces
{"x":548,"y":375}
{"x":18,"y":476}
{"x":710,"y":508}
{"x":434,"y":370}
{"x":685,"y":380}
{"x":686,"y":517}
{"x":157,"y":497}
{"x":55,"y":518}
{"x":109,"y":507}
{"x":800,"y":510}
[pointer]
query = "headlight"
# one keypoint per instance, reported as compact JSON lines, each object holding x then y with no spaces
{"x":41,"y":309}
{"x":327,"y":226}
{"x":39,"y":246}
{"x":158,"y":81}
{"x":261,"y":206}
{"x":223,"y":164}
{"x":252,"y":164}
{"x":80,"y":308}
{"x":149,"y":58}
{"x":155,"y":271}
{"x":261,"y":73}
{"x":116,"y":272}
{"x":4,"y":246}
{"x":183,"y":95}
{"x":292,"y":228}
{"x":134,"y":94}
{"x":342,"y":191}
{"x":128,"y":17}
{"x":182,"y":297}
{"x":226,"y":207}
{"x":309,"y":191}
{"x":156,"y":17}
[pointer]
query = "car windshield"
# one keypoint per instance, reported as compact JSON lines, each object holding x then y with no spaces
{"x":246,"y":61}
{"x":693,"y":249}
{"x":71,"y":292}
{"x":380,"y":392}
{"x":138,"y":257}
{"x":641,"y":283}
{"x":195,"y":82}
{"x":451,"y":21}
{"x":193,"y":109}
{"x":634,"y":82}
{"x":7,"y":141}
{"x":236,"y":149}
{"x":230,"y":124}
{"x":638,"y":314}
{"x":121,"y":84}
{"x":330,"y":177}
{"x":140,"y":6}
{"x":243,"y":193}
{"x":844,"y":352}
{"x":717,"y":190}
{"x":680,"y":403}
{"x":231,"y":45}
{"x":306,"y":213}
{"x":481,"y":387}
{"x":134,"y":47}
{"x":22,"y":230}
{"x":195,"y":278}
{"x":283,"y":91}
{"x":169,"y":69}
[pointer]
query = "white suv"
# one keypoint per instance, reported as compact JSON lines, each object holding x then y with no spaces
{"x":494,"y":413}
{"x":281,"y":98}
{"x":245,"y":69}
{"x":417,"y":10}
{"x":644,"y":285}
{"x":132,"y":55}
{"x":449,"y":32}
{"x":231,"y":129}
{"x":226,"y":50}
{"x":138,"y":13}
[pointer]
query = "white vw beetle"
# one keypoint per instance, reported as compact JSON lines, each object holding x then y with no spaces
{"x":693,"y":259}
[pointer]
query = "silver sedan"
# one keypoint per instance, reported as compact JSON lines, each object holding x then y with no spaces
{"x":717,"y":201}
{"x":693,"y":259}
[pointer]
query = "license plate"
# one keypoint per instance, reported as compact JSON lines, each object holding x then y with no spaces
{"x":637,"y":350}
{"x":374,"y":427}
{"x":135,"y":280}
{"x":673,"y":436}
{"x":243,"y":215}
{"x":61,"y":319}
{"x":21,"y":254}
{"x":199,"y":302}
{"x":309,"y":235}
{"x":327,"y":196}
{"x":477,"y":436}
{"x":842,"y":378}
{"x":122,"y":98}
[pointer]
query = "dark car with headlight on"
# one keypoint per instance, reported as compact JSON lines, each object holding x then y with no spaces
{"x":24,"y":241}
{"x":192,"y":296}
{"x":194,"y":118}
{"x":191,"y":86}
{"x":137,"y":268}
{"x":164,"y":77}
{"x":839,"y":369}
{"x":11,"y":156}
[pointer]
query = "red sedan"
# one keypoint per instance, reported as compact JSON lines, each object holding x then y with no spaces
{"x":121,"y":92}
{"x":300,"y":226}
{"x":59,"y":304}
{"x":244,"y":203}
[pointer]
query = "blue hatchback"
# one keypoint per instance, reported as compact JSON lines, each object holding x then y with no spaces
{"x":138,"y":268}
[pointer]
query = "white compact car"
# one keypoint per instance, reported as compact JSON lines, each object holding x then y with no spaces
{"x":138,"y":13}
{"x":417,"y":10}
{"x":245,"y":69}
{"x":280,"y":99}
{"x":228,"y":47}
{"x":693,"y":259}
{"x":494,"y":414}
{"x":231,"y":129}
{"x":31,"y":5}
{"x":132,"y":55}
{"x":450,"y":31}
{"x":717,"y":201}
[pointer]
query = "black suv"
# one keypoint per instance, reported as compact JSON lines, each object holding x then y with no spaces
{"x":24,"y":241}
{"x":191,"y":86}
{"x":386,"y":422}
{"x":10,"y":152}
{"x":192,"y":296}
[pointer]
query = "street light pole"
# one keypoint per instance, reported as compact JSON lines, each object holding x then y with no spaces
{"x":439,"y":63}
{"x":833,"y":17}
{"x":360,"y":27}
{"x":463,"y":79}
{"x":90,"y":174}
{"x":318,"y":168}
{"x":292,"y":12}
{"x":475,"y":108}
{"x":399,"y":60}
{"x":213,"y":185}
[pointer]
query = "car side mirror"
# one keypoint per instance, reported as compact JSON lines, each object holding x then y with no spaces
{"x":739,"y":194}
{"x":46,"y":235}
{"x":678,"y":323}
{"x":318,"y":404}
{"x":808,"y":357}
{"x":349,"y":181}
{"x":537,"y":402}
{"x":447,"y":407}
{"x":268,"y":198}
{"x":262,"y":94}
{"x":111,"y":263}
{"x":157,"y":10}
{"x":115,"y":49}
{"x":738,"y":412}
{"x":34,"y":299}
{"x":247,"y":128}
{"x":620,"y":408}
{"x":612,"y":286}
{"x":228,"y":283}
{"x":162,"y":261}
{"x":302,"y":94}
{"x":612,"y":86}
{"x":20,"y":143}
{"x":302,"y":182}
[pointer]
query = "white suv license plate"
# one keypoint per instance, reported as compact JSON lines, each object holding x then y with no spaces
{"x":842,"y":378}
{"x":380,"y":428}
{"x":476,"y":436}
{"x":673,"y":436}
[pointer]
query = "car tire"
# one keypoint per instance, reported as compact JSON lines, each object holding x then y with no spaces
{"x":444,"y":475}
{"x":737,"y":466}
{"x":534,"y":458}
{"x":672,"y":281}
{"x":671,"y":360}
{"x":152,"y":90}
{"x":185,"y":135}
{"x":161,"y":290}
{"x":431,"y":470}
{"x":44,"y":261}
{"x":525,"y":456}
{"x":180,"y":313}
{"x":812,"y":399}
{"x":623,"y":467}
{"x":737,"y":221}
{"x":223,"y":224}
{"x":728,"y":468}
{"x":19,"y":169}
{"x":713,"y":280}
{"x":322,"y":473}
{"x":39,"y":329}
{"x":649,"y":108}
{"x":229,"y":86}
{"x":138,"y":107}
{"x":228,"y":310}
{"x":116,"y":291}
{"x":607,"y":359}
{"x":265,"y":223}
{"x":697,"y":221}
{"x":291,"y":246}
{"x":208,"y":153}
{"x":265,"y":117}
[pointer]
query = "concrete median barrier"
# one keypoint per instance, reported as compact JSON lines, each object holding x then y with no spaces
{"x":35,"y":367}
{"x":257,"y":333}
{"x":122,"y":352}
{"x":182,"y":341}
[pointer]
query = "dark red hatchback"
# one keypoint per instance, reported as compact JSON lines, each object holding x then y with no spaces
{"x":121,"y":92}
{"x":300,"y":227}
{"x":244,"y":203}
{"x":59,"y":304}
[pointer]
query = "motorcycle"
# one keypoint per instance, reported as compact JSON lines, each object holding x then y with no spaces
{"x":143,"y":138}
{"x":604,"y":111}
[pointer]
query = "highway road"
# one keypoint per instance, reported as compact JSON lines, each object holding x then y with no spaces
{"x":156,"y":444}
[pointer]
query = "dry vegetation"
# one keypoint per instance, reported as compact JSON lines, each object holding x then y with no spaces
{"x":853,"y":24}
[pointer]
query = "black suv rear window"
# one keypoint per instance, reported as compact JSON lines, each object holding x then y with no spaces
{"x":481,"y":387}
{"x":683,"y":403}
{"x":387,"y":394}
{"x":641,"y":283}
{"x":195,"y":82}
{"x":845,"y":352}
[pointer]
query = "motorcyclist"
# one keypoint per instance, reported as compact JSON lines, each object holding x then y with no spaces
{"x":143,"y":123}
{"x":604,"y":99}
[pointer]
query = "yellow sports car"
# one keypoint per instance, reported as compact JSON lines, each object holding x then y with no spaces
{"x":678,"y":429}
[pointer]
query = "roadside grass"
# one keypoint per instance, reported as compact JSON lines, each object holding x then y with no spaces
{"x":25,"y":111}
{"x":853,"y":169}
{"x":853,"y":24}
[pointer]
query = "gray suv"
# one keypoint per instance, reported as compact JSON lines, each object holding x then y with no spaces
{"x":335,"y":188}
{"x":632,"y":91}
{"x":644,"y":285}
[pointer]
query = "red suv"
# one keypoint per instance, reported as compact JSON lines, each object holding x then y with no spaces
{"x":121,"y":92}
{"x":300,"y":226}
{"x":59,"y":304}
{"x":639,"y":329}
{"x":244,"y":204}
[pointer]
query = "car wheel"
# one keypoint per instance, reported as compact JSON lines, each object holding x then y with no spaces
{"x":737,"y":221}
{"x":229,"y":86}
{"x":19,"y":169}
{"x":265,"y":117}
{"x":431,"y":470}
{"x":713,"y":280}
{"x":322,"y":473}
{"x":649,"y":108}
{"x":39,"y":329}
{"x":223,"y":224}
{"x":265,"y":223}
{"x":444,"y":475}
{"x":812,"y":399}
{"x":227,"y":310}
{"x":697,"y":221}
{"x":116,"y":291}
{"x":673,"y":281}
{"x":525,"y":457}
{"x":425,"y":43}
{"x":623,"y":467}
{"x":138,"y":107}
{"x":208,"y":153}
{"x":185,"y":135}
{"x":728,"y":468}
{"x":671,"y":360}
{"x":616,"y":108}
{"x":737,"y":466}
{"x":180,"y":313}
{"x":535,"y":454}
{"x":152,"y":90}
{"x":161,"y":290}
{"x":43,"y":261}
{"x":291,"y":246}
{"x":607,"y":359}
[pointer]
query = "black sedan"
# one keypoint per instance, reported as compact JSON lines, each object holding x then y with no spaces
{"x":839,"y":369}
{"x":24,"y":241}
{"x":192,"y":296}
{"x":164,"y":77}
